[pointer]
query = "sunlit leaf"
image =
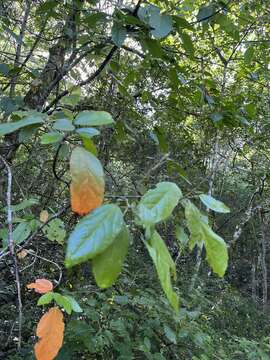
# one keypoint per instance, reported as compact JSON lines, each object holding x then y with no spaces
{"x":164,"y":265}
{"x":157,"y":204}
{"x":214,"y":204}
{"x":94,"y":234}
{"x":202,"y":234}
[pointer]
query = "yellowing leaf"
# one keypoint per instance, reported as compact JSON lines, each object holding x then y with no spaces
{"x":44,"y":216}
{"x":87,"y":187}
{"x":50,"y":330}
{"x":41,"y":286}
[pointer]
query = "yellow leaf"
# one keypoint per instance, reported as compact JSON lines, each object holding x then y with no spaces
{"x":50,"y":330}
{"x":44,"y":216}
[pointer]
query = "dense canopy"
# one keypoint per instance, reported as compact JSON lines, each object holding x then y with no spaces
{"x":134,"y":181}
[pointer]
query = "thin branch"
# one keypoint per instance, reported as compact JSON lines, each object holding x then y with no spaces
{"x":11,"y":249}
{"x":86,"y":81}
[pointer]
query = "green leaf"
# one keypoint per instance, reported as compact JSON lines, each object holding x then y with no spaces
{"x":8,"y":128}
{"x":63,"y":302}
{"x":88,"y":132}
{"x":214,"y":204}
{"x":63,"y":125}
{"x":51,"y":138}
{"x":74,"y":305}
{"x":216,"y":117}
{"x":182,"y":23}
{"x":119,"y":34}
{"x":181,"y":236}
{"x":46,"y":298}
{"x":89,"y":145}
{"x":201,"y":233}
{"x":93,"y":118}
{"x":21,"y":232}
{"x":205,"y":13}
{"x":55,"y":231}
{"x":108,"y":265}
{"x":164,"y":265}
{"x":157,"y":204}
{"x":24,"y":204}
{"x":162,"y":25}
{"x":154,"y":48}
{"x":4,"y":69}
{"x":94,"y":234}
{"x":216,"y":250}
{"x":162,"y":141}
{"x":194,"y":220}
{"x":170,"y":334}
{"x":249,"y":53}
{"x":187,"y":43}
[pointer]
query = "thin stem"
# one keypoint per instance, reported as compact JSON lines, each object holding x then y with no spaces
{"x":11,"y":249}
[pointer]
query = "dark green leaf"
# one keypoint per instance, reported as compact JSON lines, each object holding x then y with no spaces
{"x":108,"y":265}
{"x":119,"y":34}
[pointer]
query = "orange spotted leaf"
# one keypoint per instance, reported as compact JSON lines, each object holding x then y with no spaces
{"x":87,"y":186}
{"x":41,"y":286}
{"x":50,"y":331}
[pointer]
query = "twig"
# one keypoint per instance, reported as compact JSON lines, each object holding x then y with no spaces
{"x":11,"y":249}
{"x":30,"y":252}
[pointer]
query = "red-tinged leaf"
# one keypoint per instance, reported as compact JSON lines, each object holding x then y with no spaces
{"x":87,"y":187}
{"x":50,"y":330}
{"x":41,"y":286}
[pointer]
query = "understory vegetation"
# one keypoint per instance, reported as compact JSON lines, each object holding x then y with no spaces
{"x":134,"y":179}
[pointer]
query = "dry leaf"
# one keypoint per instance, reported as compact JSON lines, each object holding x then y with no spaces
{"x":50,"y":330}
{"x":22,"y":254}
{"x":44,"y":216}
{"x":41,"y":286}
{"x":87,"y":186}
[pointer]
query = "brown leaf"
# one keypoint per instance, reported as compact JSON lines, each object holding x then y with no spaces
{"x":44,"y":216}
{"x":50,"y":330}
{"x":41,"y":286}
{"x":22,"y":254}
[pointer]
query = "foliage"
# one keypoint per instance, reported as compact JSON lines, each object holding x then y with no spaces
{"x":146,"y":116}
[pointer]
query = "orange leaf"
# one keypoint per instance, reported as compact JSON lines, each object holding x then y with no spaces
{"x":50,"y":330}
{"x":41,"y":286}
{"x":87,"y":187}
